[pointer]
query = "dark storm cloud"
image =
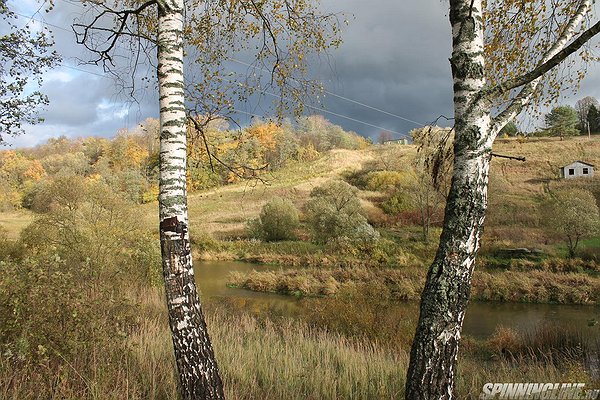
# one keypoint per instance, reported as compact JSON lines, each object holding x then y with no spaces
{"x":394,"y":58}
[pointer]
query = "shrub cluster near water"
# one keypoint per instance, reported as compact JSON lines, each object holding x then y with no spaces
{"x":65,"y":295}
{"x":531,"y":286}
{"x":85,"y":318}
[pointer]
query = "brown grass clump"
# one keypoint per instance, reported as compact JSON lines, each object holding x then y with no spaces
{"x":520,"y":286}
{"x":395,"y":284}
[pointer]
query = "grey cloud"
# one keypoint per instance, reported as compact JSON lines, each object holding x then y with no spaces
{"x":394,"y":57}
{"x":73,"y":103}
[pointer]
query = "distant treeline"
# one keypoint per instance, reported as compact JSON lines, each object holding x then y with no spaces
{"x":129,"y":162}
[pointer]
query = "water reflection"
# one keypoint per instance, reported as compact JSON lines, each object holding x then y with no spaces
{"x":481,"y":319}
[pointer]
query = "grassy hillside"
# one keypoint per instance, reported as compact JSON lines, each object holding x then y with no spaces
{"x":516,"y":192}
{"x":15,"y":221}
{"x":83,"y":315}
{"x":517,"y":188}
{"x":223,"y":212}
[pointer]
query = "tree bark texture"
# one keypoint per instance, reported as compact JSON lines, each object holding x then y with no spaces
{"x":196,"y":364}
{"x":434,"y":352}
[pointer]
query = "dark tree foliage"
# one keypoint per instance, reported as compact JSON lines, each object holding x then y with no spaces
{"x":583,"y":107}
{"x":593,"y":119}
{"x":510,"y":129}
{"x":562,"y":121}
{"x":24,"y":56}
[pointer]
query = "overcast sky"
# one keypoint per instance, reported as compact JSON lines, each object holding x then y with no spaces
{"x":394,"y":60}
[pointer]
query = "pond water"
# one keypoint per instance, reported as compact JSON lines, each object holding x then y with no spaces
{"x":480,"y":321}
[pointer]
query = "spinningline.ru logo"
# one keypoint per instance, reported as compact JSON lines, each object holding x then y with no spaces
{"x":542,"y":391}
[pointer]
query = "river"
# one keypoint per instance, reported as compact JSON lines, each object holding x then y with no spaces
{"x":480,"y":321}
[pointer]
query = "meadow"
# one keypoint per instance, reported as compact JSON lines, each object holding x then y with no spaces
{"x":285,"y":359}
{"x":82,"y":304}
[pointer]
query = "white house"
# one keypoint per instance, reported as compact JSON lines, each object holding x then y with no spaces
{"x":576,"y":169}
{"x":396,"y":141}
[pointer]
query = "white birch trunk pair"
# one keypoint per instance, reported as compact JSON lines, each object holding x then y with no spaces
{"x":434,"y":353}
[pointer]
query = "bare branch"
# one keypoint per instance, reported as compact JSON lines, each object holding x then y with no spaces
{"x":518,"y":158}
{"x":84,"y":32}
{"x":200,"y":128}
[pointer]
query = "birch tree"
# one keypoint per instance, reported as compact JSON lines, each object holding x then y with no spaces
{"x":282,"y":32}
{"x":503,"y":59}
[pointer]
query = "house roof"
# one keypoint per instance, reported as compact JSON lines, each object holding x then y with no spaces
{"x":578,"y":161}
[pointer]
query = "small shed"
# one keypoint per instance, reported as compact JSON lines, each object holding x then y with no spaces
{"x":396,"y":141}
{"x":577,"y":169}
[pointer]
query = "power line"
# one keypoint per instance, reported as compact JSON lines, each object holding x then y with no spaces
{"x":247,"y":113}
{"x":264,"y":69}
{"x":31,"y":18}
{"x":260,"y":90}
{"x":340,"y":96}
{"x":83,"y":70}
{"x":34,"y":14}
{"x":374,"y":108}
{"x":340,"y":115}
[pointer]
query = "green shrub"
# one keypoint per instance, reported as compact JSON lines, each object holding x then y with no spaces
{"x":334,"y":212}
{"x":9,"y":249}
{"x":86,"y":222}
{"x":358,"y":178}
{"x":204,"y":241}
{"x":67,"y":296}
{"x":52,"y":309}
{"x":398,"y":203}
{"x":278,"y":220}
{"x":385,"y":180}
{"x":574,"y":215}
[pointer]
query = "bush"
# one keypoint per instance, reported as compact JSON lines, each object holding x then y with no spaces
{"x":68,"y":295}
{"x":85,"y":222}
{"x":397,"y":203}
{"x":52,"y":310}
{"x":546,"y":343}
{"x":334,"y":212}
{"x":574,"y":215}
{"x":278,"y":220}
{"x":9,"y":249}
{"x":385,"y":180}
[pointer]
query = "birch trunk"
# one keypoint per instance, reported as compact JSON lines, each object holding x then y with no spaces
{"x":434,"y":352}
{"x":196,"y":364}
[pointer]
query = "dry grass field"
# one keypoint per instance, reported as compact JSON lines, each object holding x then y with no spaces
{"x":516,"y":188}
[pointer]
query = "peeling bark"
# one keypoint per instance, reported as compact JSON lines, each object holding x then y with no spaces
{"x":196,"y":364}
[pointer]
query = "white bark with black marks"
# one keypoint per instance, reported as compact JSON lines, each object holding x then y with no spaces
{"x":434,"y":352}
{"x":432,"y":369}
{"x":196,"y":364}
